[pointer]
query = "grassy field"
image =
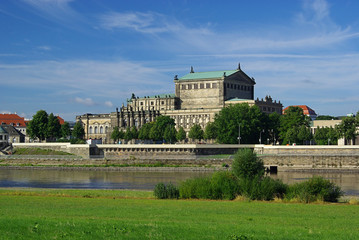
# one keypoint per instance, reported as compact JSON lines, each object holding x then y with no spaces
{"x":115,"y":214}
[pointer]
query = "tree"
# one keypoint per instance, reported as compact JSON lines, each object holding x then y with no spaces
{"x":170,"y":134}
{"x":158,"y":129}
{"x":65,"y":130}
{"x":304,"y":134}
{"x":196,"y":132}
{"x":144,"y":132}
{"x":273,"y":127}
{"x":181,"y":134}
{"x":210,"y":131}
{"x":134,"y":133}
{"x":78,"y":131}
{"x":291,"y":121}
{"x":326,"y":117}
{"x":53,"y":127}
{"x":116,"y":134}
{"x":128,"y":134}
{"x":37,"y":127}
{"x":347,"y":129}
{"x":250,"y":121}
{"x":246,"y":164}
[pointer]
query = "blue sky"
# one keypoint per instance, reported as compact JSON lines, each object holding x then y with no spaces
{"x":72,"y":57}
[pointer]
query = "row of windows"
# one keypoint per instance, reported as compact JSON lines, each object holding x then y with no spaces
{"x":198,"y":86}
{"x":152,"y":103}
{"x":238,"y":87}
{"x":2,"y":137}
{"x":95,"y":130}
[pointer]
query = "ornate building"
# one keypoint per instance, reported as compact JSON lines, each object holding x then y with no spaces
{"x":198,"y":97}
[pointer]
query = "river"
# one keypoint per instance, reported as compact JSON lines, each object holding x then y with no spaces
{"x":87,"y":179}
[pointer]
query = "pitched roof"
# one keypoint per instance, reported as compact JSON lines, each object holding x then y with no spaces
{"x":13,"y":119}
{"x":207,"y":75}
{"x":61,"y":120}
{"x":306,"y":110}
{"x":2,"y":130}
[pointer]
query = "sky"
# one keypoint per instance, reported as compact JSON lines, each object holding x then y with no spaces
{"x":71,"y":57}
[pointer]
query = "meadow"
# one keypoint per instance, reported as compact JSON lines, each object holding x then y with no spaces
{"x":117,"y":214}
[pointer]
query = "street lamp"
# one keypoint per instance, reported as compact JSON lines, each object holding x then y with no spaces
{"x":239,"y":134}
{"x":260,"y":136}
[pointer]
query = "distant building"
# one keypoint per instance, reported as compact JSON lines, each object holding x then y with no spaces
{"x":306,"y":111}
{"x":19,"y":123}
{"x":198,"y":97}
{"x":4,"y":136}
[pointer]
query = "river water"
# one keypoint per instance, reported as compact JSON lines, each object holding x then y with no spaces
{"x":87,"y":179}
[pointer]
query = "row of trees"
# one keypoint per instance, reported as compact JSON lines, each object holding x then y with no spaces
{"x":47,"y":127}
{"x":250,"y":125}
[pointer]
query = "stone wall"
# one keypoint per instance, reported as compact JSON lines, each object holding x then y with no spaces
{"x":82,"y":150}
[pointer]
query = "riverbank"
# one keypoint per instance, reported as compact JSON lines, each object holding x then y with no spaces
{"x":108,"y":214}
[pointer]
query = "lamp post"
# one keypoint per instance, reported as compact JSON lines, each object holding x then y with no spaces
{"x":239,"y":134}
{"x":260,"y":136}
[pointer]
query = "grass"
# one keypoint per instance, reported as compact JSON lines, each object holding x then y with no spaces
{"x":116,"y":214}
{"x":38,"y":151}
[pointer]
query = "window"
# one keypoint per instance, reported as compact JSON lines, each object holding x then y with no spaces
{"x":189,"y":86}
{"x":195,"y":86}
{"x":1,"y":137}
{"x":162,"y":102}
{"x":90,"y":130}
{"x":101,"y":129}
{"x":208,"y":85}
{"x":183,"y":87}
{"x":232,"y":86}
{"x":214,"y":85}
{"x":141,"y":103}
{"x":106,"y":129}
{"x":151,"y":103}
{"x":95,"y":130}
{"x":201,"y":85}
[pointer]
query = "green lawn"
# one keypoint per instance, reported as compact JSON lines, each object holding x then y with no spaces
{"x":115,"y":214}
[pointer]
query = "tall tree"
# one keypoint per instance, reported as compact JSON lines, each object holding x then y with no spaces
{"x":348,"y":129}
{"x":196,"y":132}
{"x":134,"y":133}
{"x":291,"y":121}
{"x":250,"y":121}
{"x":65,"y":130}
{"x":116,"y":135}
{"x":210,"y":131}
{"x":78,"y":131}
{"x":181,"y":134}
{"x":144,"y":132}
{"x":37,"y":127}
{"x":53,"y":127}
{"x":170,"y":134}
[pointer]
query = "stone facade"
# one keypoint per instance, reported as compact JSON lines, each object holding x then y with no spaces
{"x":198,"y":97}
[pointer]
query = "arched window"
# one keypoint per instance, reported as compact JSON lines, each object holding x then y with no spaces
{"x":95,"y":129}
{"x":106,"y":129}
{"x":90,"y":130}
{"x":101,"y":129}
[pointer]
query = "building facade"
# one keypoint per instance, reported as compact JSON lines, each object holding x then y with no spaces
{"x":198,"y":97}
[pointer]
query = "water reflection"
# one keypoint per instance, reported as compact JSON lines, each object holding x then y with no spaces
{"x":85,"y":179}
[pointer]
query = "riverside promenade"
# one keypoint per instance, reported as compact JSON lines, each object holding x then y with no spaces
{"x":282,"y":158}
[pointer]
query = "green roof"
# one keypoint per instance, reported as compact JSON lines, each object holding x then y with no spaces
{"x":168,"y":95}
{"x":207,"y":75}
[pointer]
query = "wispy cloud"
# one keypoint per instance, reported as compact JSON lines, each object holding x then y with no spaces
{"x":108,"y":104}
{"x":44,"y":48}
{"x":85,"y":101}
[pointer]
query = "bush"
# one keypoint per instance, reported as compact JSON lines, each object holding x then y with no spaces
{"x":77,"y":141}
{"x":315,"y":189}
{"x":262,"y":188}
{"x":246,"y":164}
{"x":221,"y":185}
{"x":162,"y":191}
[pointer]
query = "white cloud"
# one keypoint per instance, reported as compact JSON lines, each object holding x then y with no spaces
{"x":45,"y":48}
{"x":85,"y":101}
{"x":108,"y":104}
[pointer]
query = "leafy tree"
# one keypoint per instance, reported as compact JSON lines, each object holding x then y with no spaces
{"x":210,"y":131}
{"x":304,"y":134}
{"x":347,"y":128}
{"x":78,"y":131}
{"x":250,"y":120}
{"x":65,"y":130}
{"x":37,"y":127}
{"x":246,"y":164}
{"x":170,"y":134}
{"x":128,"y":134}
{"x":134,"y":132}
{"x":144,"y":132}
{"x":273,"y":126}
{"x":291,"y":121}
{"x":116,"y":135}
{"x":156,"y":133}
{"x":53,"y":127}
{"x":196,"y":132}
{"x":181,"y":134}
{"x":158,"y":130}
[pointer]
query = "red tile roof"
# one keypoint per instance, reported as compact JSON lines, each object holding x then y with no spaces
{"x":12,"y":119}
{"x":306,"y":110}
{"x":61,"y":120}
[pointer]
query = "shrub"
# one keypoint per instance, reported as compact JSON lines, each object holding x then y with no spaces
{"x":221,"y":185}
{"x":315,"y":189}
{"x":246,"y":164}
{"x":162,"y":191}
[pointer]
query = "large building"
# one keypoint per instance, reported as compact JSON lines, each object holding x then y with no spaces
{"x":198,"y":97}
